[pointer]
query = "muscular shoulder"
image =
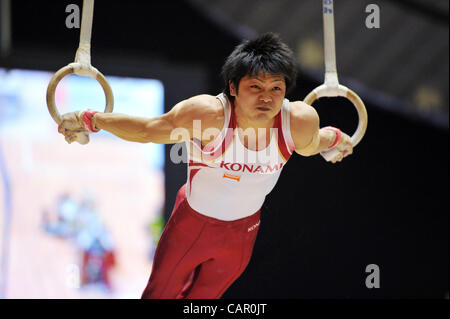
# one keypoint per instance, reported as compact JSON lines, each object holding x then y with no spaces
{"x":206,"y":108}
{"x":300,"y":111}
{"x":304,"y":124}
{"x":203,"y":105}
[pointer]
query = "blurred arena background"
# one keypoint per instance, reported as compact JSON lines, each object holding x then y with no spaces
{"x":82,"y":221}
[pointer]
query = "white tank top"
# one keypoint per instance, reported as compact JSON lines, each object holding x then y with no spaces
{"x":226,"y":180}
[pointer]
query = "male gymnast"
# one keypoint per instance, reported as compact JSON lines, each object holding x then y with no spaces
{"x":238,"y":143}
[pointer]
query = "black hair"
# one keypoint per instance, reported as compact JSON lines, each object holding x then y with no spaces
{"x":266,"y":54}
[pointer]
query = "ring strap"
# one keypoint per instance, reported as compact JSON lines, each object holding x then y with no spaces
{"x":86,"y":22}
{"x":331,"y":77}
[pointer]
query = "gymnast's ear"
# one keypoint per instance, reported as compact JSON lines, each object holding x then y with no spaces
{"x":233,"y":91}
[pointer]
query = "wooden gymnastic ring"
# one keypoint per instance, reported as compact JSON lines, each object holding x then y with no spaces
{"x":326,"y":91}
{"x":69,"y":69}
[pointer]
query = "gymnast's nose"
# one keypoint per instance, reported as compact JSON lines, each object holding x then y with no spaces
{"x":266,"y":98}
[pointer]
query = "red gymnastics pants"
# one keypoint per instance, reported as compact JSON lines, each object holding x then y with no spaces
{"x":199,"y":257}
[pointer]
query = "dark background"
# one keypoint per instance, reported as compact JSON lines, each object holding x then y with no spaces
{"x":322,"y":224}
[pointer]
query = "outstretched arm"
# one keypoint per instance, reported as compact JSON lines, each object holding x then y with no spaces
{"x":309,"y":138}
{"x":137,"y":129}
{"x":144,"y":130}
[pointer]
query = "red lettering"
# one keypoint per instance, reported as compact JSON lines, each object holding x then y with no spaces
{"x":223,"y":164}
{"x":269,"y":168}
{"x":258,"y":169}
{"x":251,"y":168}
{"x":239,"y":165}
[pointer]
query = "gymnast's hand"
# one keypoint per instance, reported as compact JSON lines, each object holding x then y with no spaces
{"x":72,"y":128}
{"x":345,"y":148}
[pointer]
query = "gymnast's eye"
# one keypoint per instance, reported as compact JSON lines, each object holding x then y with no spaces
{"x":254,"y":86}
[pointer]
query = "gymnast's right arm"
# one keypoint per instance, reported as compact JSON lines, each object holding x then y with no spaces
{"x":156,"y":130}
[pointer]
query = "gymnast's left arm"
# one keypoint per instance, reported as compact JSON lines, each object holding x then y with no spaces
{"x":310,"y":139}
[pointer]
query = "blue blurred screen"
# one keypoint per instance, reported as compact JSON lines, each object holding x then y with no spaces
{"x":76,"y":221}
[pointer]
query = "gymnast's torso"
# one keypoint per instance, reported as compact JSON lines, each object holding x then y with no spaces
{"x":228,"y":181}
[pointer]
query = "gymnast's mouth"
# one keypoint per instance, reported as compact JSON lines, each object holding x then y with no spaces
{"x":263,"y":108}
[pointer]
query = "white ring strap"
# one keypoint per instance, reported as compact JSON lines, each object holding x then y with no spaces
{"x":331,"y":77}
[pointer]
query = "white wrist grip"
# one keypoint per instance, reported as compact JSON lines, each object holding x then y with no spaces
{"x":82,"y":137}
{"x":330,"y":154}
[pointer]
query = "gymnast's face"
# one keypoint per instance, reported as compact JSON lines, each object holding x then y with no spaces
{"x":259,"y":97}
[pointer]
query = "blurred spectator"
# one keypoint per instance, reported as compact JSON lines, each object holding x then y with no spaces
{"x":82,"y":223}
